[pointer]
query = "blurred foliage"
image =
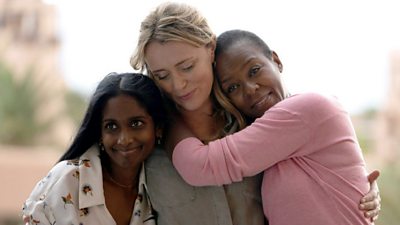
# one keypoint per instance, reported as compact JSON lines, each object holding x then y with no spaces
{"x":389,"y":187}
{"x":365,"y":142}
{"x":18,"y":103}
{"x":389,"y":180}
{"x":76,"y":106}
{"x":370,"y":113}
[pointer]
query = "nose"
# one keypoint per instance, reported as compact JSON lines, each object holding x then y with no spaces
{"x":250,"y":88}
{"x":125,"y":138}
{"x":179,"y":82}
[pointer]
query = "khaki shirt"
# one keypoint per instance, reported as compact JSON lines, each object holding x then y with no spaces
{"x":178,"y":203}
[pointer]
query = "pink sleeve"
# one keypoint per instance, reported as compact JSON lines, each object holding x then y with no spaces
{"x":278,"y":135}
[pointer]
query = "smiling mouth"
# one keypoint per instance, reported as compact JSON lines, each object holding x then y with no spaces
{"x":129,"y":150}
{"x":261,"y":101}
{"x":258,"y":103}
{"x":186,"y":96}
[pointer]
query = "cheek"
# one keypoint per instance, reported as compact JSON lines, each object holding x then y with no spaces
{"x":165,"y":88}
{"x":162,"y":85}
{"x":206,"y":80}
{"x":108,"y":140}
{"x":203,"y":72}
{"x":147,"y":136}
{"x":238,"y":102}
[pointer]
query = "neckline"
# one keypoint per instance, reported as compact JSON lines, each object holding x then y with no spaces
{"x":116,"y":182}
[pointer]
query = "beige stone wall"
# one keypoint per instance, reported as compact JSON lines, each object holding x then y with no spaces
{"x":20,"y":169}
{"x":29,"y":42}
{"x":388,"y":129}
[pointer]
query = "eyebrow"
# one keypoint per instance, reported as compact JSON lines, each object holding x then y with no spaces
{"x":177,"y":64}
{"x":240,"y":68}
{"x":130,"y":118}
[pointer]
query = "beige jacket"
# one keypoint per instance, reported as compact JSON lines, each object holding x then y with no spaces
{"x":178,"y":203}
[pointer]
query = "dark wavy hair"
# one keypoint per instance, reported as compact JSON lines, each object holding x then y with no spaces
{"x":139,"y":86}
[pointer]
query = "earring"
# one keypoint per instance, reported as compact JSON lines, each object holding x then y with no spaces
{"x":214,"y":64}
{"x":101,"y":146}
{"x":158,"y":140}
{"x":280,"y":68}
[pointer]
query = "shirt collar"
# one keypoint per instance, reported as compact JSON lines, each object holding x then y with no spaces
{"x":91,"y":190}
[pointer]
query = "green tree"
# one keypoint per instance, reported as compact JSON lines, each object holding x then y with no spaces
{"x":76,"y":106}
{"x":18,"y":103}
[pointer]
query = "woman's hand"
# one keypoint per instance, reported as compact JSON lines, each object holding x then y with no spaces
{"x":371,"y":202}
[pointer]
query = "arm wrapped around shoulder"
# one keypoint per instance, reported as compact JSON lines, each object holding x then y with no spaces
{"x":204,"y":165}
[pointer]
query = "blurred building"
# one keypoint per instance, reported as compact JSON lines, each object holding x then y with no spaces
{"x":388,"y":129}
{"x":30,"y":43}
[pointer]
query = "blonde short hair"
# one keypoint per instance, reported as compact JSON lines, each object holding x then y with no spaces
{"x":181,"y":22}
{"x":172,"y":22}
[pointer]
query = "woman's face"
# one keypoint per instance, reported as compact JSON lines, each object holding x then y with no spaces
{"x":128,"y":131}
{"x":249,"y":79}
{"x":182,"y":71}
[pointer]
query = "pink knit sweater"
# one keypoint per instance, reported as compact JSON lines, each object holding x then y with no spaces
{"x":314,"y":172}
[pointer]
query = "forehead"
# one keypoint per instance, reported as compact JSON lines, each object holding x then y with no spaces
{"x":163,"y":55}
{"x":237,"y":56}
{"x":240,"y":49}
{"x":123,"y":106}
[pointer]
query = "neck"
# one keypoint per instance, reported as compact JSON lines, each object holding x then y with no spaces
{"x":122,"y":177}
{"x":202,"y":122}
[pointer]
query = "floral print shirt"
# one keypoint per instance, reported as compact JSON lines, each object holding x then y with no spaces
{"x":72,"y":194}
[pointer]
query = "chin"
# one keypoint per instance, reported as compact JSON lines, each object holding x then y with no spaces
{"x":190,"y":106}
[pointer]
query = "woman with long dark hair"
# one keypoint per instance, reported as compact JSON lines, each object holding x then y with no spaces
{"x":100,"y":179}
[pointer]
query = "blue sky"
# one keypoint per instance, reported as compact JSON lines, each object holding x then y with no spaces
{"x":334,"y":47}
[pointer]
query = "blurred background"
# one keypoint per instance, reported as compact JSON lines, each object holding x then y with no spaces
{"x":53,"y":54}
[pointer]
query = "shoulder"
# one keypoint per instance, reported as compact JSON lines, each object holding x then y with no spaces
{"x":60,"y":174}
{"x":307,"y":107}
{"x":310,"y":98}
{"x":157,"y":157}
{"x":174,"y":191}
{"x":60,"y":177}
{"x":308,"y":102}
{"x":64,"y":176}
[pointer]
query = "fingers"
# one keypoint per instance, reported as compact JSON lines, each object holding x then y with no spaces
{"x":373,"y":176}
{"x":370,"y":205}
{"x":371,"y":202}
{"x":371,"y":196}
{"x":373,"y":214}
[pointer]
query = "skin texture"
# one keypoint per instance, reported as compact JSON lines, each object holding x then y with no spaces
{"x":250,"y":80}
{"x":128,"y":136}
{"x":183,"y":72}
{"x":128,"y":133}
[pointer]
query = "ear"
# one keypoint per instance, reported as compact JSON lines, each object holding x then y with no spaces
{"x":159,"y":132}
{"x":277,"y":61}
{"x":211,"y":46}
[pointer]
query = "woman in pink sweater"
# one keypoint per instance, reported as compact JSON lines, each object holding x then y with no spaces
{"x":314,"y":172}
